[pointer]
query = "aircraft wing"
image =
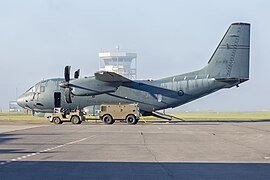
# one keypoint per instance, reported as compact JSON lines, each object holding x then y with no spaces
{"x":110,"y":77}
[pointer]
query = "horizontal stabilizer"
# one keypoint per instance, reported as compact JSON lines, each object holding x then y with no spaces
{"x":228,"y":80}
{"x":110,"y":77}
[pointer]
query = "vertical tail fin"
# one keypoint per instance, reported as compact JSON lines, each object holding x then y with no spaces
{"x":231,"y":57}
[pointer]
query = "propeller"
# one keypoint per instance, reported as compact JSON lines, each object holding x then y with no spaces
{"x":77,"y":74}
{"x":68,"y":95}
{"x":67,"y":74}
{"x":66,"y":83}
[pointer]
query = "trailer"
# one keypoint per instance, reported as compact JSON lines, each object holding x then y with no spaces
{"x":125,"y":112}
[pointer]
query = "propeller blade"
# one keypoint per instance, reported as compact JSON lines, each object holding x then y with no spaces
{"x":67,"y":73}
{"x":77,"y":74}
{"x":68,"y":95}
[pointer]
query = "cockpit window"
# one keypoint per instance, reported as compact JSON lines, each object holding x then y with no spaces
{"x":34,"y":88}
{"x":39,"y":87}
{"x":42,"y":88}
{"x":31,"y":89}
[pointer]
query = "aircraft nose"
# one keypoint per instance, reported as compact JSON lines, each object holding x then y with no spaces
{"x":21,"y":101}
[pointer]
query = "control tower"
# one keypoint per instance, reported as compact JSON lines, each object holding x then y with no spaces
{"x":121,"y":62}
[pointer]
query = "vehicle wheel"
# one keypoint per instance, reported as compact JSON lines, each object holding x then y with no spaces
{"x":75,"y":120}
{"x":131,"y":119}
{"x":107,"y":119}
{"x":57,"y":120}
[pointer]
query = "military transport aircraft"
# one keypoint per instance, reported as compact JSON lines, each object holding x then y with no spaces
{"x":227,"y":67}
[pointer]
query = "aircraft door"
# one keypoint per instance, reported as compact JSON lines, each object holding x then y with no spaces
{"x":57,"y":99}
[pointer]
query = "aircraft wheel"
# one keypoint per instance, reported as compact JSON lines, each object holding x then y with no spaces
{"x":107,"y":119}
{"x":75,"y":120}
{"x":131,"y":119}
{"x":57,"y":120}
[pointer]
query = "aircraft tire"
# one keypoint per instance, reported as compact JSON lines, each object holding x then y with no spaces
{"x":76,"y":120}
{"x":131,"y":119}
{"x":57,"y":120}
{"x":107,"y":119}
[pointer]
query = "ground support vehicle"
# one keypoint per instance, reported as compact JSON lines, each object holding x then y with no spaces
{"x":125,"y":112}
{"x":76,"y":117}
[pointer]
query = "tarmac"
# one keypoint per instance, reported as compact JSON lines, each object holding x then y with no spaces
{"x":158,"y":150}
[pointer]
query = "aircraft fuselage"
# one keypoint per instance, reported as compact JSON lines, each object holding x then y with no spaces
{"x":150,"y":95}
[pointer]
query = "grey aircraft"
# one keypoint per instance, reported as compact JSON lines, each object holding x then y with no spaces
{"x":227,"y":67}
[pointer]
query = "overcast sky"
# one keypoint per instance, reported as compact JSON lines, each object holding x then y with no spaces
{"x":39,"y":37}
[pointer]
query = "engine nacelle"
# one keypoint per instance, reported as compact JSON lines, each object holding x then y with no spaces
{"x":91,"y":87}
